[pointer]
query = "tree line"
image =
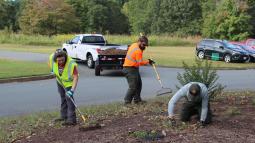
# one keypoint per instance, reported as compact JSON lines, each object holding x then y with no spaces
{"x":224,"y":19}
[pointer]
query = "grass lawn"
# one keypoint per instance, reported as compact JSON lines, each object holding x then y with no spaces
{"x":174,"y":56}
{"x":171,"y":56}
{"x":12,"y":68}
{"x":28,"y":48}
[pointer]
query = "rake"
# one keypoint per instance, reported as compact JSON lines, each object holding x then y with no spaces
{"x":163,"y":90}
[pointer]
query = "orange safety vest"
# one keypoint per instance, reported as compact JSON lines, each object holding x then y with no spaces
{"x":134,"y":57}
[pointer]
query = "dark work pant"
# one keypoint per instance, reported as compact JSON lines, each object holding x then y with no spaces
{"x":134,"y":84}
{"x":192,"y":108}
{"x":67,"y":109}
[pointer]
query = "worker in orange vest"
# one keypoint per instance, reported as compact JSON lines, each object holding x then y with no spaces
{"x":133,"y":60}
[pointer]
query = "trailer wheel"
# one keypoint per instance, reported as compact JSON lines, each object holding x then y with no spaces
{"x":97,"y":71}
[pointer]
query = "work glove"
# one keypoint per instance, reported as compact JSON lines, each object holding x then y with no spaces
{"x":69,"y":93}
{"x":151,"y":61}
{"x":172,"y":121}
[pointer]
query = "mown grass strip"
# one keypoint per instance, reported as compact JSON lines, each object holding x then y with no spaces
{"x":170,"y":56}
{"x":13,"y":68}
{"x":28,"y":48}
{"x":175,"y":56}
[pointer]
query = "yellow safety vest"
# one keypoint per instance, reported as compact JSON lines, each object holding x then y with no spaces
{"x":66,"y":79}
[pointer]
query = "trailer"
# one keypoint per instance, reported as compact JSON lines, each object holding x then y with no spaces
{"x":109,"y":59}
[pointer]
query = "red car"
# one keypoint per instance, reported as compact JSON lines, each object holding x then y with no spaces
{"x":249,"y":42}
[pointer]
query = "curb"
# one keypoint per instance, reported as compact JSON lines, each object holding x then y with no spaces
{"x":25,"y":79}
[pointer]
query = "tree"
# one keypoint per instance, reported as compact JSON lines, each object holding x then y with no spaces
{"x":140,"y":15}
{"x":251,"y":12}
{"x":118,"y":22}
{"x":9,"y":10}
{"x":182,"y":16}
{"x":100,"y":16}
{"x":3,"y":14}
{"x":48,"y":17}
{"x":120,"y":2}
{"x":229,"y":21}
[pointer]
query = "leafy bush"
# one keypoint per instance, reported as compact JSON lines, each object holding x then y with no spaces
{"x":201,"y":71}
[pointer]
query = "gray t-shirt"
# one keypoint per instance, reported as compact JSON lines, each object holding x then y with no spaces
{"x":184,"y":92}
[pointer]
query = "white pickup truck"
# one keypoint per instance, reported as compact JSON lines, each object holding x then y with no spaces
{"x":94,"y":49}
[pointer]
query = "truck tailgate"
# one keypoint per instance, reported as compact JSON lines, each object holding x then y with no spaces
{"x":111,"y":60}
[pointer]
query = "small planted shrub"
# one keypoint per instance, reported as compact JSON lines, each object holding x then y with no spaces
{"x":201,"y":71}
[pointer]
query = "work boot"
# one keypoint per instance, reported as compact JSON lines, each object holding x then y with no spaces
{"x":127,"y":102}
{"x":68,"y":123}
{"x":59,"y":120}
{"x":140,"y":102}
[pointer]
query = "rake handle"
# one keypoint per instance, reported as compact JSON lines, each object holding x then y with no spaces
{"x":82,"y":116}
{"x":158,"y":77}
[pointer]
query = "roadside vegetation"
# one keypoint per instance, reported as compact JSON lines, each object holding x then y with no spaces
{"x":14,"y":68}
{"x":58,"y":40}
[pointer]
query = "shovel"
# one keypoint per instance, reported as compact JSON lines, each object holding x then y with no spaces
{"x":163,"y":90}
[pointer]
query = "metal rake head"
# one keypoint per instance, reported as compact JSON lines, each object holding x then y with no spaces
{"x":163,"y":91}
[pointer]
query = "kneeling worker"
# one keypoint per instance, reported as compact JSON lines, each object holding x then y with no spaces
{"x":197,"y":103}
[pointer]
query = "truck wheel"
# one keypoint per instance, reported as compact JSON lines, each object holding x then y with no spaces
{"x":97,"y":71}
{"x":90,"y":62}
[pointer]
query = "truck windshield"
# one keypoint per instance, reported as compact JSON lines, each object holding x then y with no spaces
{"x":92,"y":39}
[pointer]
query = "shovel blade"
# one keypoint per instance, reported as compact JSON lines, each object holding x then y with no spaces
{"x":163,"y":91}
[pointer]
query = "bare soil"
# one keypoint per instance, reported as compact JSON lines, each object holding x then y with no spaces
{"x":113,"y":51}
{"x":233,"y":121}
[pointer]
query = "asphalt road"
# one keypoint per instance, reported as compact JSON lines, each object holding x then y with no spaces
{"x":34,"y":96}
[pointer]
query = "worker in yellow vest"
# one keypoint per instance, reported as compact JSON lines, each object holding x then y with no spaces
{"x":133,"y":60}
{"x":66,"y":71}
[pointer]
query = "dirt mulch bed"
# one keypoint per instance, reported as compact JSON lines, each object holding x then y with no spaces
{"x":233,"y":121}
